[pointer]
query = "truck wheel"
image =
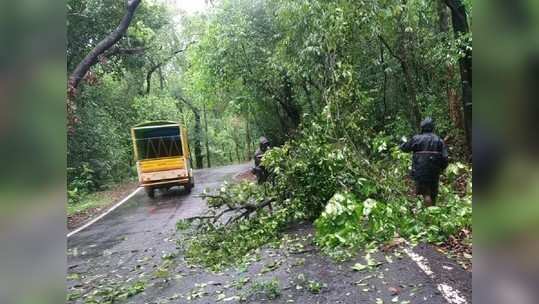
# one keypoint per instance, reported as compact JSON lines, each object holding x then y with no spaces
{"x":150,"y":192}
{"x":189,"y":186}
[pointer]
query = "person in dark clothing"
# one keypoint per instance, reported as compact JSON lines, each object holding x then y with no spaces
{"x":429,"y":159}
{"x":259,"y":170}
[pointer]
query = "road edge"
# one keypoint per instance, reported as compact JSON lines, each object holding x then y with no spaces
{"x":92,"y":221}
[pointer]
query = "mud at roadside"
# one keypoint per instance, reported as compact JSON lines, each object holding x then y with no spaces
{"x":111,"y":196}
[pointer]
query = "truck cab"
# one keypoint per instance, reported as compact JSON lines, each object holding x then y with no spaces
{"x":161,"y":152}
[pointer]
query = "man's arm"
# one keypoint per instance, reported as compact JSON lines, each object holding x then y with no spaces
{"x":408,"y":146}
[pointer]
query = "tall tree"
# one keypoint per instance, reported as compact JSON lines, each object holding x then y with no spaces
{"x":197,"y":146}
{"x":93,"y":56}
{"x":101,"y":47}
{"x":455,"y":112}
{"x":404,"y":61}
{"x":461,"y":28}
{"x":206,"y":136}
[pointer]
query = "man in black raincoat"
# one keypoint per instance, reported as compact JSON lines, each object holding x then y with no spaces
{"x":428,"y":162}
{"x":259,"y":170}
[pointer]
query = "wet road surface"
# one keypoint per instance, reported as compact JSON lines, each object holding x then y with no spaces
{"x":129,"y":247}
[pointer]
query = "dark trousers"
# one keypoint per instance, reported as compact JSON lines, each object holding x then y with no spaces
{"x":428,"y":187}
{"x":261,"y":174}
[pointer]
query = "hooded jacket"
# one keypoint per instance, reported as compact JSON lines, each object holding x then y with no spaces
{"x":430,"y":153}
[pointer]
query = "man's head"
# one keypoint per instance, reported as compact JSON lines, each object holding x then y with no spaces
{"x":427,"y":125}
{"x":264,"y":143}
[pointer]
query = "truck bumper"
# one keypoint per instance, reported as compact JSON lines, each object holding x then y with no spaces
{"x":177,"y":181}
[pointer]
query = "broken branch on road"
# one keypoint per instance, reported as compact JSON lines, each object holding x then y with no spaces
{"x":223,"y":203}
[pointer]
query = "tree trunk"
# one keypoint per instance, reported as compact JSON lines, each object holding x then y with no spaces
{"x":455,"y":112}
{"x":415,"y":113}
{"x":248,"y":137}
{"x":459,"y":19}
{"x":238,"y":152}
{"x":197,"y":145}
{"x":206,"y":137}
{"x":384,"y":87}
{"x":161,"y":79}
{"x":288,"y":104}
{"x":410,"y":82}
{"x":190,"y":158}
{"x":149,"y":78}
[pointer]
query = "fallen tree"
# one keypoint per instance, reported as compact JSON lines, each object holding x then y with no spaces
{"x":317,"y":179}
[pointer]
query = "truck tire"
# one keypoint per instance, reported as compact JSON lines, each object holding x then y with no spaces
{"x":189,"y":186}
{"x":150,"y":192}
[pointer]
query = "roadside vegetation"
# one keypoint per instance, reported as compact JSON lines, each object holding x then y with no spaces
{"x":89,"y":204}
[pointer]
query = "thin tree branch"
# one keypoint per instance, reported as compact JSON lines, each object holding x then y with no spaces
{"x":391,"y":52}
{"x":157,"y":66}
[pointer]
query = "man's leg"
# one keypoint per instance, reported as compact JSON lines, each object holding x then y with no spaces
{"x":257,"y":174}
{"x":434,"y":190}
{"x":429,"y":201}
{"x":423,"y":189}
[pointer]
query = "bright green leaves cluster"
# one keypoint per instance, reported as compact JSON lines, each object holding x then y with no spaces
{"x":338,"y":224}
{"x":349,"y":222}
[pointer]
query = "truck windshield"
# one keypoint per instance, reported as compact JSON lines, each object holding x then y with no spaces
{"x":157,"y":141}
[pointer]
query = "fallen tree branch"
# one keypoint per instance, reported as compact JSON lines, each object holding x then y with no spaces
{"x":242,"y":211}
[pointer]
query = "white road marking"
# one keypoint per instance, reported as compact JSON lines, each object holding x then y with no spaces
{"x":451,"y":295}
{"x":420,"y":261}
{"x":104,"y":214}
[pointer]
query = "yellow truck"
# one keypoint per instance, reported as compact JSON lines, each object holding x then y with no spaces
{"x":161,"y":151}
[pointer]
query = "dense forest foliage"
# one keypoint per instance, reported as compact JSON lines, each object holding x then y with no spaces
{"x":146,"y":75}
{"x":334,"y":85}
{"x":372,"y":69}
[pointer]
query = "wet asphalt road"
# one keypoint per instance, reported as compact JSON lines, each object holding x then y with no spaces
{"x":141,"y":222}
{"x":128,"y":246}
